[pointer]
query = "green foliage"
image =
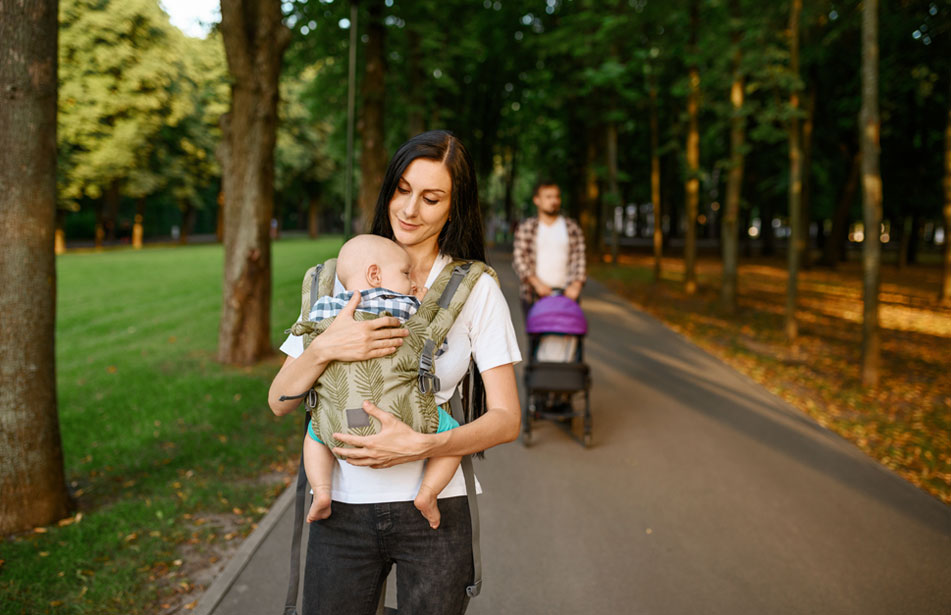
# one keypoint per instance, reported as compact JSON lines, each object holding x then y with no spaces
{"x":156,"y":434}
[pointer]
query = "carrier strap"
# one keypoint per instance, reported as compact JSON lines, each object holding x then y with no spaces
{"x":428,"y":382}
{"x":290,"y":602}
{"x":455,"y":404}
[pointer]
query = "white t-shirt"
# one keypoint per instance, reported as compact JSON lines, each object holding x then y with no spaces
{"x":551,"y":253}
{"x":483,"y":330}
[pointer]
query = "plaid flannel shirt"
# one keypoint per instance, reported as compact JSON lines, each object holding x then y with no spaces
{"x":524,"y":254}
{"x":374,"y":301}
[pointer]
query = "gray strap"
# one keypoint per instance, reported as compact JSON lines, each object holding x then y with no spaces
{"x":428,"y":382}
{"x":455,"y":404}
{"x":314,"y":286}
{"x":455,"y":279}
{"x":290,"y":602}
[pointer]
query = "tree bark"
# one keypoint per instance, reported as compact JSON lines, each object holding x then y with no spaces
{"x":795,"y":244}
{"x":838,"y":235}
{"x":729,"y":227}
{"x":693,"y":157}
{"x":372,"y":93}
{"x":188,"y":222}
{"x":655,"y":182}
{"x":313,"y":218}
{"x":945,"y":296}
{"x":614,"y":194}
{"x":805,"y":256}
{"x":137,"y":223}
{"x":255,"y":39}
{"x":32,"y":479}
{"x":871,"y":195}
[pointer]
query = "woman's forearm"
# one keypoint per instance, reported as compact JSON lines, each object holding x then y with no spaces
{"x":296,"y":376}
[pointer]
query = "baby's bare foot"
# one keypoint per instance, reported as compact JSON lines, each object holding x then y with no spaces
{"x":425,"y":502}
{"x":320,"y":507}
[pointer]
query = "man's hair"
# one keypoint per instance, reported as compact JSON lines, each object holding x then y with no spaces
{"x":543,"y":182}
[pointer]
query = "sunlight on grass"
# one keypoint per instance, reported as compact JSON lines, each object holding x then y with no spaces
{"x":157,"y":436}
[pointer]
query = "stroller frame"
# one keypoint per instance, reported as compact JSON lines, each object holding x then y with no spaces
{"x":551,"y":391}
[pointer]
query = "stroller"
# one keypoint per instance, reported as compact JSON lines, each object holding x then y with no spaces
{"x":557,"y":381}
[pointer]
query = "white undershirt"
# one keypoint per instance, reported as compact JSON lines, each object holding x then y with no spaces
{"x":483,"y":330}
{"x":551,"y":253}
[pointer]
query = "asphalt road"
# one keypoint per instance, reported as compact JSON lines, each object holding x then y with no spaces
{"x":702,"y":493}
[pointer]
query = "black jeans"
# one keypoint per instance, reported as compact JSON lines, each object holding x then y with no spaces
{"x":349,"y":556}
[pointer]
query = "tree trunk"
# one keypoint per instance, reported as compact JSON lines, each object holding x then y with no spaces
{"x":372,"y":153}
{"x":255,"y":39}
{"x":220,"y":218}
{"x":693,"y":158}
{"x":59,"y":243}
{"x":417,"y":78}
{"x":871,"y":195}
{"x":313,"y":217}
{"x":729,"y":227}
{"x":614,"y":196}
{"x":100,"y":232}
{"x":137,"y":224}
{"x":510,"y":187}
{"x":655,"y":182}
{"x":110,"y":218}
{"x":838,"y":235}
{"x":945,"y":296}
{"x":805,"y":256}
{"x":589,"y":213}
{"x":32,"y":480}
{"x":795,"y":244}
{"x":188,"y":223}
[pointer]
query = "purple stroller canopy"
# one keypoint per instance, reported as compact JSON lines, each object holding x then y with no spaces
{"x":556,"y":314}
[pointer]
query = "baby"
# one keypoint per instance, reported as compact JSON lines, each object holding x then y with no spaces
{"x":378,"y":268}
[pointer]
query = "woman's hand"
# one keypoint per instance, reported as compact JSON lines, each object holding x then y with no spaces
{"x":347,"y":339}
{"x":395,"y":444}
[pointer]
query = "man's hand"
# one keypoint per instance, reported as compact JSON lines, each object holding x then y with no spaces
{"x":573,"y":291}
{"x":541,"y":289}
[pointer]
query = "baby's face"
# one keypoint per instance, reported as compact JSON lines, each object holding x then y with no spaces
{"x":394,"y":270}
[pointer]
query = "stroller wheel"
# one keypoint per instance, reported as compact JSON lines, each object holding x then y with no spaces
{"x":525,"y":438}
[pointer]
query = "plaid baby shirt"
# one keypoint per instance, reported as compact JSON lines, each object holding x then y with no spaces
{"x":374,"y":301}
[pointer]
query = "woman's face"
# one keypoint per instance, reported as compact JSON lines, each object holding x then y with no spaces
{"x":420,"y":204}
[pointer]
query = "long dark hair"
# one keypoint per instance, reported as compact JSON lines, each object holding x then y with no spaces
{"x":462,"y":235}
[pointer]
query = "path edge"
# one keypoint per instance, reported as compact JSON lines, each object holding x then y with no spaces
{"x":216,"y":591}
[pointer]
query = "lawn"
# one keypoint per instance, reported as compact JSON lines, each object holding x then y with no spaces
{"x":171,"y":457}
{"x":904,"y":423}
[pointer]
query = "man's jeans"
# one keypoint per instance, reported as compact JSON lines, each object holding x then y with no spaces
{"x":349,"y":556}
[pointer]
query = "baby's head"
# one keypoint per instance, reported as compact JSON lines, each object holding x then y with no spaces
{"x":371,"y":261}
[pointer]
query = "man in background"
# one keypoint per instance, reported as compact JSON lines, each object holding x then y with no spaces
{"x":549,"y":249}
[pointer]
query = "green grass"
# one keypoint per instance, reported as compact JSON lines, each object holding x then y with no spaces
{"x":156,"y":435}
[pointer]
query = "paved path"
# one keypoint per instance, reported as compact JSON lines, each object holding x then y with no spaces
{"x":702,"y":493}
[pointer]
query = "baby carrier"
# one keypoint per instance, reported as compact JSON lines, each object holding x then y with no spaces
{"x":403,"y":383}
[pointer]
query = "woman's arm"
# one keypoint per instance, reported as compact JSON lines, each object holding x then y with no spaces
{"x":398,"y":443}
{"x":344,"y":340}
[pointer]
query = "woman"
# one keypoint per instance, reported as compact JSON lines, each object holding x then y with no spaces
{"x":429,"y":205}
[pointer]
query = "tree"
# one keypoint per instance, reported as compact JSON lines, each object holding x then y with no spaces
{"x":255,"y":39}
{"x":31,"y":460}
{"x":946,"y":257}
{"x":871,"y":195}
{"x":729,"y":228}
{"x":121,"y":70}
{"x":373,"y":102}
{"x":693,"y":155}
{"x":794,"y":248}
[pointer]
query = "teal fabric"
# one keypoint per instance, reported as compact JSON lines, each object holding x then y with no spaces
{"x":446,"y":422}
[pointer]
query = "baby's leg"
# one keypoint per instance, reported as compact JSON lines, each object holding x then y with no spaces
{"x":439,"y":471}
{"x":318,"y":464}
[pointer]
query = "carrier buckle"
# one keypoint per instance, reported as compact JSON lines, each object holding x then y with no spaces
{"x":473,"y":590}
{"x":428,"y":382}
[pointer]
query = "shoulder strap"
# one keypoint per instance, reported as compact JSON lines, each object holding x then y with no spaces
{"x":318,"y":281}
{"x":455,"y":404}
{"x":290,"y":602}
